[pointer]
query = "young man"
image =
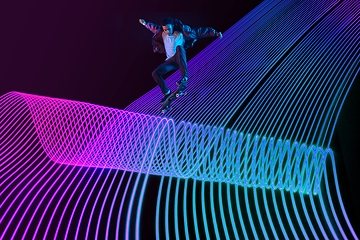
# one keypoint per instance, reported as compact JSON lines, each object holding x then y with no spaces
{"x":172,"y":38}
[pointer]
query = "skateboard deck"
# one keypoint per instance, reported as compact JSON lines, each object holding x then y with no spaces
{"x":166,"y":106}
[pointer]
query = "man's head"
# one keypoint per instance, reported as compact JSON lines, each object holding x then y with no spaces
{"x":168,"y":26}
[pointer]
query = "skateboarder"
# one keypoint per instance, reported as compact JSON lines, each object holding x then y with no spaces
{"x":172,"y":38}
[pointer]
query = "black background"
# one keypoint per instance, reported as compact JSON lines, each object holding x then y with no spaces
{"x":97,"y":52}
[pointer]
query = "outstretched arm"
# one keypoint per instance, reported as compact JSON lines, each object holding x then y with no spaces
{"x":203,"y":32}
{"x":151,"y":26}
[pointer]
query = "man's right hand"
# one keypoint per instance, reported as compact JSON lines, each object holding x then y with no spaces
{"x":142,"y":21}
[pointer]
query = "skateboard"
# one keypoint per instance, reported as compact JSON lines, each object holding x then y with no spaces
{"x":166,"y":106}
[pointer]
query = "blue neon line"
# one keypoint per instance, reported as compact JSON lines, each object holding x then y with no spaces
{"x":167,"y":209}
{"x":234,"y":228}
{"x":176,"y":215}
{"x":259,"y":214}
{"x":204,"y":210}
{"x":157,"y":225}
{"x":185,"y":210}
{"x":268,"y":215}
{"x":194,"y":210}
{"x":249,"y":214}
{"x":213,"y":214}
{"x":239,"y":212}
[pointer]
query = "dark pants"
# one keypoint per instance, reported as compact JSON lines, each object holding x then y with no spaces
{"x":173,"y":63}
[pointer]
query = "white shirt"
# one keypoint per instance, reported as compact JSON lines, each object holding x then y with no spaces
{"x":171,"y":42}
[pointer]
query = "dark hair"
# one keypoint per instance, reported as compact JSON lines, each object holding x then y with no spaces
{"x":167,"y":21}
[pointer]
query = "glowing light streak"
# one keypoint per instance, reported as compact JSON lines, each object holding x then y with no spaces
{"x":185,"y":209}
{"x":279,"y":107}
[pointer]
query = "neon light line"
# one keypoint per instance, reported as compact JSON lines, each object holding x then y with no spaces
{"x":158,"y":209}
{"x":167,"y":208}
{"x":231,"y":212}
{"x":276,"y":83}
{"x":269,"y":216}
{"x":213,"y":215}
{"x":222,"y":212}
{"x":185,"y":210}
{"x":194,"y":210}
{"x":176,"y":214}
{"x":204,"y":210}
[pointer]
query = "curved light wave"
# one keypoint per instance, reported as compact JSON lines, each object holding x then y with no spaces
{"x":246,"y":155}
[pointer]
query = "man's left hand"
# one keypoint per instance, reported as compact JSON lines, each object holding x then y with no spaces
{"x":219,"y":35}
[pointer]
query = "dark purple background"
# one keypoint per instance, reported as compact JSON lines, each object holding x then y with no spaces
{"x":97,"y":52}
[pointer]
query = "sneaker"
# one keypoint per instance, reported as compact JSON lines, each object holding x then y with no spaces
{"x":181,"y":81}
{"x":166,"y":96}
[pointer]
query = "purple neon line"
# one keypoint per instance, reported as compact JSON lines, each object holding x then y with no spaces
{"x":29,"y":205}
{"x":50,"y":201}
{"x":85,"y":205}
{"x":8,"y":109}
{"x":13,"y":181}
{"x":53,"y":196}
{"x":24,"y":178}
{"x":19,"y":125}
{"x":93,"y":208}
{"x":104,"y":201}
{"x":121,"y":207}
{"x":112,"y":206}
{"x":17,"y":209}
{"x":10,"y":170}
{"x":4,"y":214}
{"x":234,"y":28}
{"x":145,"y":182}
{"x":88,"y":227}
{"x":76,"y":204}
{"x":86,"y":202}
{"x":43,"y":197}
{"x":67,"y":203}
{"x":136,"y":185}
{"x":37,"y":193}
{"x":19,"y":128}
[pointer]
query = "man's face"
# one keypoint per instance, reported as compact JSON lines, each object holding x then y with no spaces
{"x":168,"y":29}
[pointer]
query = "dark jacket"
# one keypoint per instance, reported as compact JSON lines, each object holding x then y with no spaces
{"x":190,"y":35}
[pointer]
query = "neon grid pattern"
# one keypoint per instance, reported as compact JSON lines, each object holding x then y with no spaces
{"x":245,"y":155}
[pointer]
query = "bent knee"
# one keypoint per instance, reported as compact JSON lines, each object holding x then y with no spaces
{"x":155,"y":73}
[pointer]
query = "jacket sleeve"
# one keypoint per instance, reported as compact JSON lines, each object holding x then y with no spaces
{"x":203,"y":32}
{"x":152,"y":27}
